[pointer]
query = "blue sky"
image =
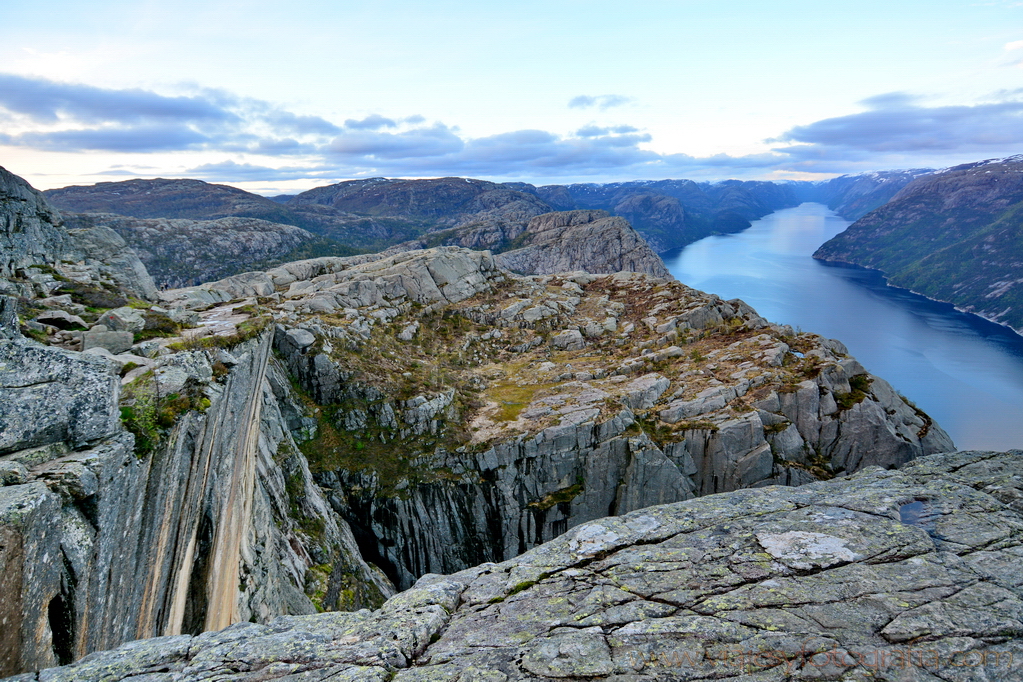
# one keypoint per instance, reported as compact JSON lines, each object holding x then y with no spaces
{"x":280,"y":97}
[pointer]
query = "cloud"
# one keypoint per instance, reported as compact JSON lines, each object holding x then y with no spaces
{"x":893,"y":131}
{"x":437,"y":140}
{"x":46,"y":101}
{"x":595,"y":131}
{"x":895,"y":124}
{"x":231,"y":171}
{"x":1014,"y":45}
{"x":601,"y":102}
{"x":372,"y":122}
{"x":154,"y":138}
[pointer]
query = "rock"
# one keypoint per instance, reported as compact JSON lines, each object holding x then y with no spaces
{"x":642,"y":393}
{"x":112,"y":259}
{"x":300,"y":338}
{"x":409,"y":332}
{"x":854,"y":570}
{"x":180,"y":252}
{"x":123,"y":319}
{"x":570,"y":339}
{"x":62,"y":320}
{"x":30,"y":229}
{"x":12,"y":473}
{"x":592,"y":241}
{"x":115,"y":342}
{"x":9,"y":318}
{"x":52,"y":395}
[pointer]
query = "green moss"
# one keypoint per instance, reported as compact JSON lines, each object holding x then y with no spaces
{"x":558,"y":497}
{"x":860,"y":385}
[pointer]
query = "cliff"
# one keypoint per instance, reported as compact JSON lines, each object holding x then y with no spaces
{"x":952,"y":236}
{"x":884,"y":575}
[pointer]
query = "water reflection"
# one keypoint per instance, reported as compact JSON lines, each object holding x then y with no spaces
{"x":965,"y":372}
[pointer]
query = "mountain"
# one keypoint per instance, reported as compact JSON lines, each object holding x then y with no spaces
{"x":853,"y":196}
{"x":954,"y":235}
{"x":160,"y":198}
{"x":253,"y":450}
{"x":672,"y":213}
{"x":376,"y":213}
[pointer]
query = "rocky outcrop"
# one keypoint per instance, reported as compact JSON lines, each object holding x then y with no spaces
{"x":953,"y":235}
{"x":217,"y":522}
{"x":887,"y":575}
{"x":38,"y":252}
{"x":30,"y":231}
{"x":591,"y":241}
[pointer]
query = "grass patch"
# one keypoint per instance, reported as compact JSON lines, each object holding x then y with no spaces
{"x":558,"y":497}
{"x":513,"y":398}
{"x":860,"y":385}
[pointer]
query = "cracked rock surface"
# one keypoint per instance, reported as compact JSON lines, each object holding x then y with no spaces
{"x":907,"y":574}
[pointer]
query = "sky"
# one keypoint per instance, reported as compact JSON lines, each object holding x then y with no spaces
{"x":279,"y":97}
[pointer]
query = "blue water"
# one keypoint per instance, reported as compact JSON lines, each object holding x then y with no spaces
{"x":965,"y":372}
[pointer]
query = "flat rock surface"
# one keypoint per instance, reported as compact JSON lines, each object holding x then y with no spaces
{"x":884,"y":575}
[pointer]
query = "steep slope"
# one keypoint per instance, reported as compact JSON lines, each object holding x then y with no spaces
{"x":954,"y":236}
{"x":886,"y":575}
{"x":39,"y":255}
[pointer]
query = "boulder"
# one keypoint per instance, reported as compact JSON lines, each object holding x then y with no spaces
{"x":115,"y":342}
{"x":124,"y":319}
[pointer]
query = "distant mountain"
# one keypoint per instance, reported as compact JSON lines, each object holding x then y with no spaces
{"x":955,"y":235}
{"x":376,"y":213}
{"x":160,"y":198}
{"x":672,"y":213}
{"x":853,"y":196}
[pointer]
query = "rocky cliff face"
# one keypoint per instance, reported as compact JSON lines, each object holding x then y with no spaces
{"x":885,"y":575}
{"x":218,"y":522}
{"x":952,"y":235}
{"x":583,"y":396}
{"x":38,"y":254}
{"x":592,"y":241}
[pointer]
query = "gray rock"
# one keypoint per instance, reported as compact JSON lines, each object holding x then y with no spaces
{"x":123,"y":319}
{"x":115,"y":342}
{"x":112,"y":259}
{"x":589,"y":240}
{"x":30,"y":229}
{"x":62,"y":320}
{"x":774,"y":584}
{"x":642,"y":393}
{"x":50,"y":395}
{"x":12,"y":473}
{"x":570,"y":339}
